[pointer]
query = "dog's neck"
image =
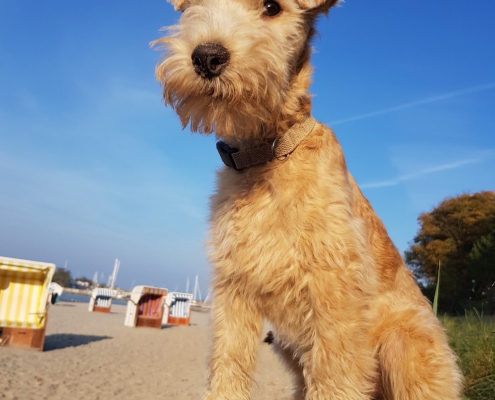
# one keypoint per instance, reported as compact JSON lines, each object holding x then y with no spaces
{"x":276,"y":139}
{"x":279,"y":148}
{"x":267,"y":133}
{"x":295,"y":108}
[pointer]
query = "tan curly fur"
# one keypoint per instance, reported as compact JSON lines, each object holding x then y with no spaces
{"x":296,"y":242}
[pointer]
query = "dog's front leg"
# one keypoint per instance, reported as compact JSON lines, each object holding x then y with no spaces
{"x":339,"y":362}
{"x":337,"y":374}
{"x":237,"y":326}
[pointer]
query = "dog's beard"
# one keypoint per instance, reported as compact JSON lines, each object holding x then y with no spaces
{"x":228,"y":105}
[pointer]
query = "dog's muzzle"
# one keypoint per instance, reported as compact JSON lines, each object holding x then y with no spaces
{"x":210,"y":59}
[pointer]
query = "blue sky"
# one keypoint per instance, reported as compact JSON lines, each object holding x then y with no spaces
{"x":93,"y":167}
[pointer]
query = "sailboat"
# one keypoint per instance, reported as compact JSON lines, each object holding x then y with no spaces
{"x":197,"y":303}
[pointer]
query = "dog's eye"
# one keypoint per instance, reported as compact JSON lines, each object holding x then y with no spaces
{"x":272,"y":8}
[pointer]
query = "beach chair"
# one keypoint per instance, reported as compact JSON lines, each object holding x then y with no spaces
{"x":101,"y":300}
{"x":145,"y":307}
{"x":178,"y":308}
{"x":24,"y":300}
{"x":55,"y":291}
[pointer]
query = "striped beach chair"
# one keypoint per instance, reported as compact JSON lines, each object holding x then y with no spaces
{"x":178,"y":308}
{"x":145,"y":307}
{"x":101,"y":300}
{"x":24,"y":294}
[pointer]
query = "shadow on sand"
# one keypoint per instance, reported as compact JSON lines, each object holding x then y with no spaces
{"x":63,"y":340}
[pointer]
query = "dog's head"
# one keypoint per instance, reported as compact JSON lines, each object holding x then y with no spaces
{"x":230,"y":65}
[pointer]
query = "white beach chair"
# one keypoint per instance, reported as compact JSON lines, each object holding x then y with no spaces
{"x":101,"y":300}
{"x":178,"y":308}
{"x":55,"y":291}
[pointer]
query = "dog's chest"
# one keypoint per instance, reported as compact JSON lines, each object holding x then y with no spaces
{"x":269,"y":233}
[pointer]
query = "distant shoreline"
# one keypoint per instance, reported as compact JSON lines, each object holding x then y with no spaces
{"x":82,"y":292}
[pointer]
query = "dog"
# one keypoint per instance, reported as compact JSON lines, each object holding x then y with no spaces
{"x":293,"y":240}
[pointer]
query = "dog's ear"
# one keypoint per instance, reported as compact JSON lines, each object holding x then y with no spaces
{"x":314,"y":4}
{"x":178,"y":4}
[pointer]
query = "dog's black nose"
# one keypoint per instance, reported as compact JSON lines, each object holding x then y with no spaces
{"x":210,"y":59}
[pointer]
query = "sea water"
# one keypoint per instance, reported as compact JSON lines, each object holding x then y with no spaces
{"x":79,"y":298}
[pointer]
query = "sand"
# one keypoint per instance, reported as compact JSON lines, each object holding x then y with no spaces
{"x":94,"y":356}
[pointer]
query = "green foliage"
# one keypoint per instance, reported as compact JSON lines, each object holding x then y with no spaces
{"x":63,"y":277}
{"x":473,"y":339}
{"x":448,"y":235}
{"x":481,"y":269}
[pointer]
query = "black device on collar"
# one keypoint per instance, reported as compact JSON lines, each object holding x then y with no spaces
{"x":226,"y":152}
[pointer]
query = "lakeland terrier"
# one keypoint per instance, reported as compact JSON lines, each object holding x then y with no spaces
{"x":293,"y":239}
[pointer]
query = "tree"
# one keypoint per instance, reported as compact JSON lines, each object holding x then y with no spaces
{"x":62,"y":276}
{"x":481,"y":270}
{"x":446,"y":237}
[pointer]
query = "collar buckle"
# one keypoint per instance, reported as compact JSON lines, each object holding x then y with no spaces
{"x":226,"y":153}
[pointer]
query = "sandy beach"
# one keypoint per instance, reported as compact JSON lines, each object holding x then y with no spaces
{"x":94,"y":356}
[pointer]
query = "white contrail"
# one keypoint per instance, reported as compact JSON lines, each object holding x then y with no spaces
{"x":421,"y":173}
{"x":449,"y":95}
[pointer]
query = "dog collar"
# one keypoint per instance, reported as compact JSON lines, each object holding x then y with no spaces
{"x":280,"y":148}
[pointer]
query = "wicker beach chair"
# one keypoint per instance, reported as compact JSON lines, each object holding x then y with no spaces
{"x":178,"y":308}
{"x":145,"y":307}
{"x":55,"y":291}
{"x":101,"y":300}
{"x":24,"y":300}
